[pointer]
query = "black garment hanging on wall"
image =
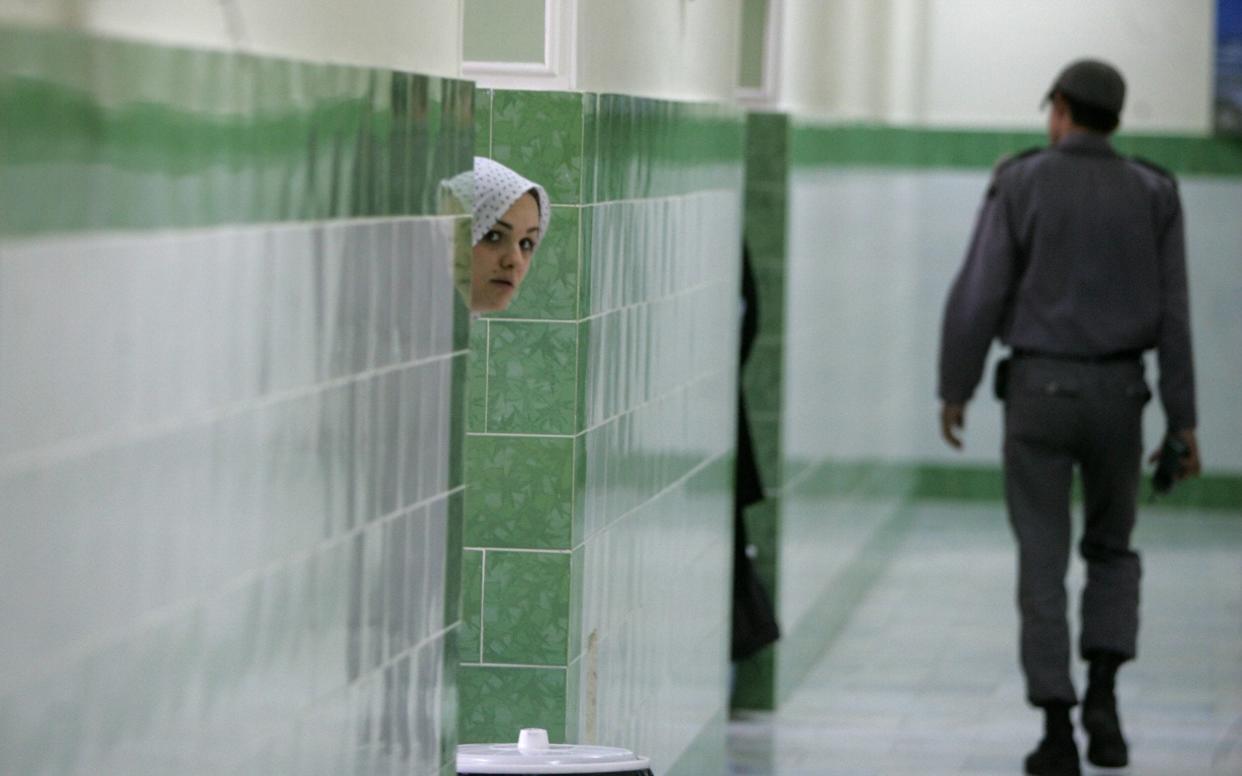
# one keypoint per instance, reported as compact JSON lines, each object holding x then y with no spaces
{"x":754,"y":619}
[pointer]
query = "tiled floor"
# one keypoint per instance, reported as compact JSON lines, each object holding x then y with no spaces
{"x":924,"y":679}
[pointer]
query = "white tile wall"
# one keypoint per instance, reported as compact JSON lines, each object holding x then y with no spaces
{"x":878,"y":251}
{"x":226,"y":499}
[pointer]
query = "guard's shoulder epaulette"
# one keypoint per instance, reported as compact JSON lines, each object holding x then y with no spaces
{"x":1004,"y":162}
{"x":1009,"y":159}
{"x":1161,"y":171}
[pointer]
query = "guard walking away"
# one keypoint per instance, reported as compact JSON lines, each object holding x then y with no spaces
{"x":1077,"y":264}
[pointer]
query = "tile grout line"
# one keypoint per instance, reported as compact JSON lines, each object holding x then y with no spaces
{"x":527,"y":550}
{"x":515,"y":435}
{"x":482,"y":601}
{"x":697,"y":193}
{"x":158,"y":233}
{"x":487,"y":371}
{"x":515,"y":665}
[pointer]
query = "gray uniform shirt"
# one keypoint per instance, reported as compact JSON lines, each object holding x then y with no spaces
{"x":1077,"y":251}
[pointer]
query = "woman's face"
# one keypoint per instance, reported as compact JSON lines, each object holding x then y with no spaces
{"x":502,"y":256}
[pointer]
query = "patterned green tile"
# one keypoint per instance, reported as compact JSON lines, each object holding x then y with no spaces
{"x":471,"y":605}
{"x":521,"y":492}
{"x":531,"y":369}
{"x":539,"y":134}
{"x":497,"y":702}
{"x":476,"y":384}
{"x":550,"y":290}
{"x":526,"y":619}
{"x":483,"y":122}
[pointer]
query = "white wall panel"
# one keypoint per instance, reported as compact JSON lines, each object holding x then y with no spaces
{"x":423,"y":36}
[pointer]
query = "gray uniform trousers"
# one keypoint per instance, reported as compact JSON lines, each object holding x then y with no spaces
{"x":1059,"y":414}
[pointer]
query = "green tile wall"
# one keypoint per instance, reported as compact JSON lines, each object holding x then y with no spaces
{"x":600,"y":428}
{"x":310,"y":141}
{"x":768,"y":138}
{"x":232,"y":372}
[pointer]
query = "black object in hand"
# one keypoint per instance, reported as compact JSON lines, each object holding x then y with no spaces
{"x":1172,"y":453}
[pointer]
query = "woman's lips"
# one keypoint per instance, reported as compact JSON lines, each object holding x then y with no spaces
{"x":503,"y":282}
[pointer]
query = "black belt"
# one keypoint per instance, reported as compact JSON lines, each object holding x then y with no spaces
{"x":1107,"y":358}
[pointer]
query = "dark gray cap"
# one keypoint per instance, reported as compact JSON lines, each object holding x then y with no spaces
{"x":1092,"y":82}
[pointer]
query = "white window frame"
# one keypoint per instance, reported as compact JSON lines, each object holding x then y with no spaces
{"x":767,"y":94}
{"x":555,"y":72}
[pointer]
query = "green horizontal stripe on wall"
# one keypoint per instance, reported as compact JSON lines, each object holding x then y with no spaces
{"x":940,"y":482}
{"x":1211,"y":492}
{"x":104,"y":134}
{"x":882,"y":146}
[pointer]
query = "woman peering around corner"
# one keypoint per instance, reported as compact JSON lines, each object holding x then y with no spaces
{"x":510,"y":219}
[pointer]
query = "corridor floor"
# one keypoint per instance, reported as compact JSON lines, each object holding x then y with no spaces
{"x":924,"y":679}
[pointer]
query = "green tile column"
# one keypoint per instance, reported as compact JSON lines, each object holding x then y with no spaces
{"x":600,"y":439}
{"x":768,"y":148}
{"x":520,"y":447}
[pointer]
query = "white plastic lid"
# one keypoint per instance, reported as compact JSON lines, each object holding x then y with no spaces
{"x":533,"y":754}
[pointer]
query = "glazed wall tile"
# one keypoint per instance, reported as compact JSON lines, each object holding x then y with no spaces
{"x":483,"y":122}
{"x":496,"y":701}
{"x":471,"y":605}
{"x":521,"y":492}
{"x":476,"y":393}
{"x":530,"y":377}
{"x":540,"y":135}
{"x":232,"y":501}
{"x":526,"y":619}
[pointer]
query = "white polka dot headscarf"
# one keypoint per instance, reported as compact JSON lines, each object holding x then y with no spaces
{"x":493,"y":188}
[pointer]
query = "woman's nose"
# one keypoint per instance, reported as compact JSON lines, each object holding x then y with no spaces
{"x":512,"y":257}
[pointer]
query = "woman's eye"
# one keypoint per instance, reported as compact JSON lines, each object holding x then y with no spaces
{"x":528,"y":245}
{"x":492,"y":236}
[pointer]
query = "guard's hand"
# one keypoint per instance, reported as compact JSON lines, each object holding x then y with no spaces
{"x":952,"y":421}
{"x":1191,"y":465}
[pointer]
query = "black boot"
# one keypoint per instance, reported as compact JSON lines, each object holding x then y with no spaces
{"x":1057,"y":754}
{"x":1106,"y":746}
